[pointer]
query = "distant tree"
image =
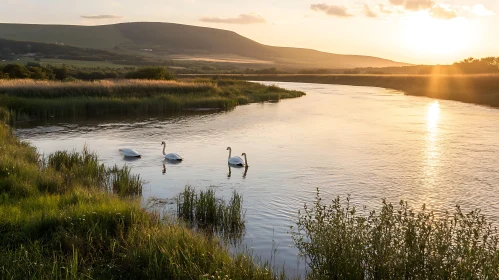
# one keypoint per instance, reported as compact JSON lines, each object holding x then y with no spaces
{"x":351,"y":72}
{"x":209,"y":68}
{"x":38,"y":73}
{"x":61,"y":73}
{"x":28,"y":48}
{"x":150,"y":73}
{"x":16,"y":71}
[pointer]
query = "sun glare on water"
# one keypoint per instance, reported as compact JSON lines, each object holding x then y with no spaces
{"x":427,"y":35}
{"x":433,"y":116}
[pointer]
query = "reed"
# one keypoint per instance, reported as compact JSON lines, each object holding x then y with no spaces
{"x":59,"y":220}
{"x":204,"y":210}
{"x":42,"y":100}
{"x":395,"y":242}
{"x":122,"y":182}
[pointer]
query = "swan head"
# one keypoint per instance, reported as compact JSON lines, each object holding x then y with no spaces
{"x":163,"y":143}
{"x":243,"y":154}
{"x":228,"y":149}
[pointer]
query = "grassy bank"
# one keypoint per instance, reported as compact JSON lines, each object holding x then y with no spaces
{"x":479,"y":89}
{"x":339,"y":241}
{"x":47,"y":99}
{"x":70,"y":218}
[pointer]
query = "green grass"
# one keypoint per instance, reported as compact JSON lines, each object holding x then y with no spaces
{"x":68,"y":217}
{"x":43,"y":100}
{"x":204,"y":210}
{"x":340,"y":242}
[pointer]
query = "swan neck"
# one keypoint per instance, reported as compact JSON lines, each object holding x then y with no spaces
{"x":230,"y":152}
{"x":164,"y":147}
{"x":245,"y":160}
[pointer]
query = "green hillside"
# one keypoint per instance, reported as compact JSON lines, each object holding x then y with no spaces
{"x":50,"y":50}
{"x":167,"y":40}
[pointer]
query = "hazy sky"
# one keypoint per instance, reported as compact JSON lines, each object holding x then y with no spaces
{"x":415,"y":31}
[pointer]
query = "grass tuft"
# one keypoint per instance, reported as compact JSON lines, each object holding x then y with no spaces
{"x":204,"y":210}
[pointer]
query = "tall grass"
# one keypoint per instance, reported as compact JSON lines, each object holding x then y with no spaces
{"x":395,"y":242}
{"x":59,"y":220}
{"x":85,"y":170}
{"x":204,"y":210}
{"x":104,"y":88}
{"x":29,"y":99}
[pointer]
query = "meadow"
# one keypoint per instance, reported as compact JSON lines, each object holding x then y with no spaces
{"x":480,"y":89}
{"x":41,"y":100}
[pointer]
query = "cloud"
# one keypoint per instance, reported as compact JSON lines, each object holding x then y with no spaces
{"x":442,"y":12}
{"x":413,"y":5}
{"x":102,"y":17}
{"x":397,"y":2}
{"x":434,"y":9}
{"x":241,"y":19}
{"x":368,"y":12}
{"x":416,"y":5}
{"x":331,"y":10}
{"x":481,"y":11}
{"x":384,"y":10}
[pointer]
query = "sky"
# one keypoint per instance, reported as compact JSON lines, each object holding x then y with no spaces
{"x":412,"y":31}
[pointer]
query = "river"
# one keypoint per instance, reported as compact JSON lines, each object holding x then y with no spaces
{"x":370,"y":143}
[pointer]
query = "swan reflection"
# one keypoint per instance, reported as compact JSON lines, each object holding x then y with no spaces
{"x":230,"y":170}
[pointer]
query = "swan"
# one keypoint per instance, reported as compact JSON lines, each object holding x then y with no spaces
{"x":171,"y":156}
{"x":237,"y":161}
{"x":130,"y":153}
{"x":245,"y":161}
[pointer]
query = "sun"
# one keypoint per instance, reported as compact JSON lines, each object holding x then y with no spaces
{"x":427,"y":35}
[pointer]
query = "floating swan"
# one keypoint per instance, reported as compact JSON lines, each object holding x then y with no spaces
{"x":172,"y":156}
{"x":236,"y":161}
{"x":245,"y":160}
{"x":130,"y":153}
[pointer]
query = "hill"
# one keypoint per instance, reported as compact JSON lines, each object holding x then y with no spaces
{"x":177,"y":41}
{"x":9,"y":48}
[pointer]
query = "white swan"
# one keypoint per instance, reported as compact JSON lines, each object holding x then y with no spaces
{"x":130,"y":153}
{"x":237,"y":161}
{"x":171,"y":156}
{"x":245,"y":162}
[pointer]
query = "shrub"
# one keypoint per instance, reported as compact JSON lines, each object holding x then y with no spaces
{"x":395,"y":243}
{"x":150,"y":73}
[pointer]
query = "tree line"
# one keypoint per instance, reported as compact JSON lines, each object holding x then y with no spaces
{"x":36,"y":71}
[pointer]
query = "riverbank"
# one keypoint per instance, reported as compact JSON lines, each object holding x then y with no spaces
{"x":70,"y":218}
{"x":478,"y":89}
{"x":42,"y":100}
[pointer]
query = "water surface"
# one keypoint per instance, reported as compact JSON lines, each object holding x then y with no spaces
{"x":368,"y":142}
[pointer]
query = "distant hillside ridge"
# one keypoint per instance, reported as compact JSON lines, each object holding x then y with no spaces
{"x":169,"y":39}
{"x":50,"y":50}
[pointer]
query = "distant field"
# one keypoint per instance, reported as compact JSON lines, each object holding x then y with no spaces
{"x":220,"y":58}
{"x":60,"y":62}
{"x":480,"y":89}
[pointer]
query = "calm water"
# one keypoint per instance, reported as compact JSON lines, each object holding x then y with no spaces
{"x":370,"y":143}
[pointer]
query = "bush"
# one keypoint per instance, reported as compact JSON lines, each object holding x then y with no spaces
{"x":150,"y":73}
{"x":395,"y":243}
